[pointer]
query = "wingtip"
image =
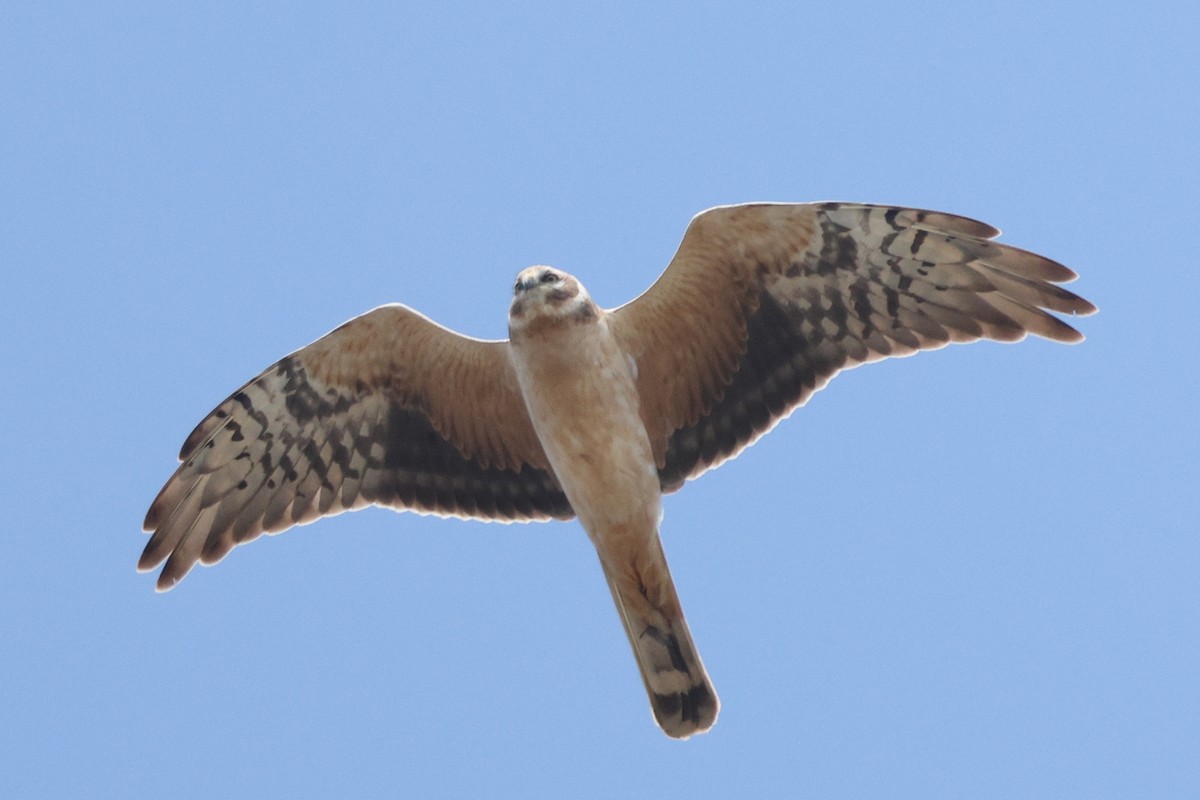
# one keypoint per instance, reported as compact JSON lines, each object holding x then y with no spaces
{"x":1069,"y":333}
{"x":163,"y":584}
{"x":166,"y":583}
{"x":167,"y":579}
{"x":147,"y":560}
{"x":1059,"y":331}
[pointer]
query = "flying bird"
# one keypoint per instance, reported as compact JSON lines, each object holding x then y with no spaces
{"x":595,"y":414}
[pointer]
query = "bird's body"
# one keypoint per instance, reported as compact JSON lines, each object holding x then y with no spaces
{"x":595,"y":414}
{"x":580,"y":387}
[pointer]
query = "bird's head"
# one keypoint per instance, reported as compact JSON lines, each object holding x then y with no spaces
{"x":547,"y":296}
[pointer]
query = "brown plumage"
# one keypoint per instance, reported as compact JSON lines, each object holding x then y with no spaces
{"x":593,"y":413}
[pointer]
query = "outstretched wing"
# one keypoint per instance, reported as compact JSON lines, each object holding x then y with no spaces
{"x":389,"y":409}
{"x":764,"y":303}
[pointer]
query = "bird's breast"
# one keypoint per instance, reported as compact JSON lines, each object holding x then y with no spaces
{"x":580,"y":390}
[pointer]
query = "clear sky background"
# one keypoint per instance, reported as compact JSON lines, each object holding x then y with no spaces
{"x":972,"y":573}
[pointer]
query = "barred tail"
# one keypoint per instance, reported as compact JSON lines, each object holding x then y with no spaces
{"x":681,"y":694}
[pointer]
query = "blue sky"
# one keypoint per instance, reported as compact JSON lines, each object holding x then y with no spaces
{"x":972,"y":573}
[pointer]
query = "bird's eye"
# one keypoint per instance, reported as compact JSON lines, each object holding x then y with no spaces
{"x":517,"y":287}
{"x":549,"y":277}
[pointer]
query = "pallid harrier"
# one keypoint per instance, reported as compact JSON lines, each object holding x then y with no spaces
{"x":593,"y":413}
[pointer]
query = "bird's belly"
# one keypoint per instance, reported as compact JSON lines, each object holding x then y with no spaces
{"x":608,"y":476}
{"x":591,"y":429}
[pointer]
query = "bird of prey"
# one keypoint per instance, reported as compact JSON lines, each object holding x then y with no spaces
{"x":595,"y":414}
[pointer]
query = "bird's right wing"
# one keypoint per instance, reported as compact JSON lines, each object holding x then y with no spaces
{"x":388,"y":409}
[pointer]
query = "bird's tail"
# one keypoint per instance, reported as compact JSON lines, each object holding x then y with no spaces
{"x":681,"y":694}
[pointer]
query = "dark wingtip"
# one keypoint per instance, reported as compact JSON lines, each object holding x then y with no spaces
{"x":146,"y":562}
{"x":168,"y":578}
{"x":153,"y":517}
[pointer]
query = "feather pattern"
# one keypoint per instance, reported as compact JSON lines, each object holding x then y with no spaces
{"x":763,"y":304}
{"x":369,"y":414}
{"x":595,"y":414}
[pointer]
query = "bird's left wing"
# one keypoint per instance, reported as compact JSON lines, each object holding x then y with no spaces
{"x":764,"y":303}
{"x":388,"y":409}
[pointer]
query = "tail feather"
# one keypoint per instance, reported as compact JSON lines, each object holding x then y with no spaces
{"x":681,"y":695}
